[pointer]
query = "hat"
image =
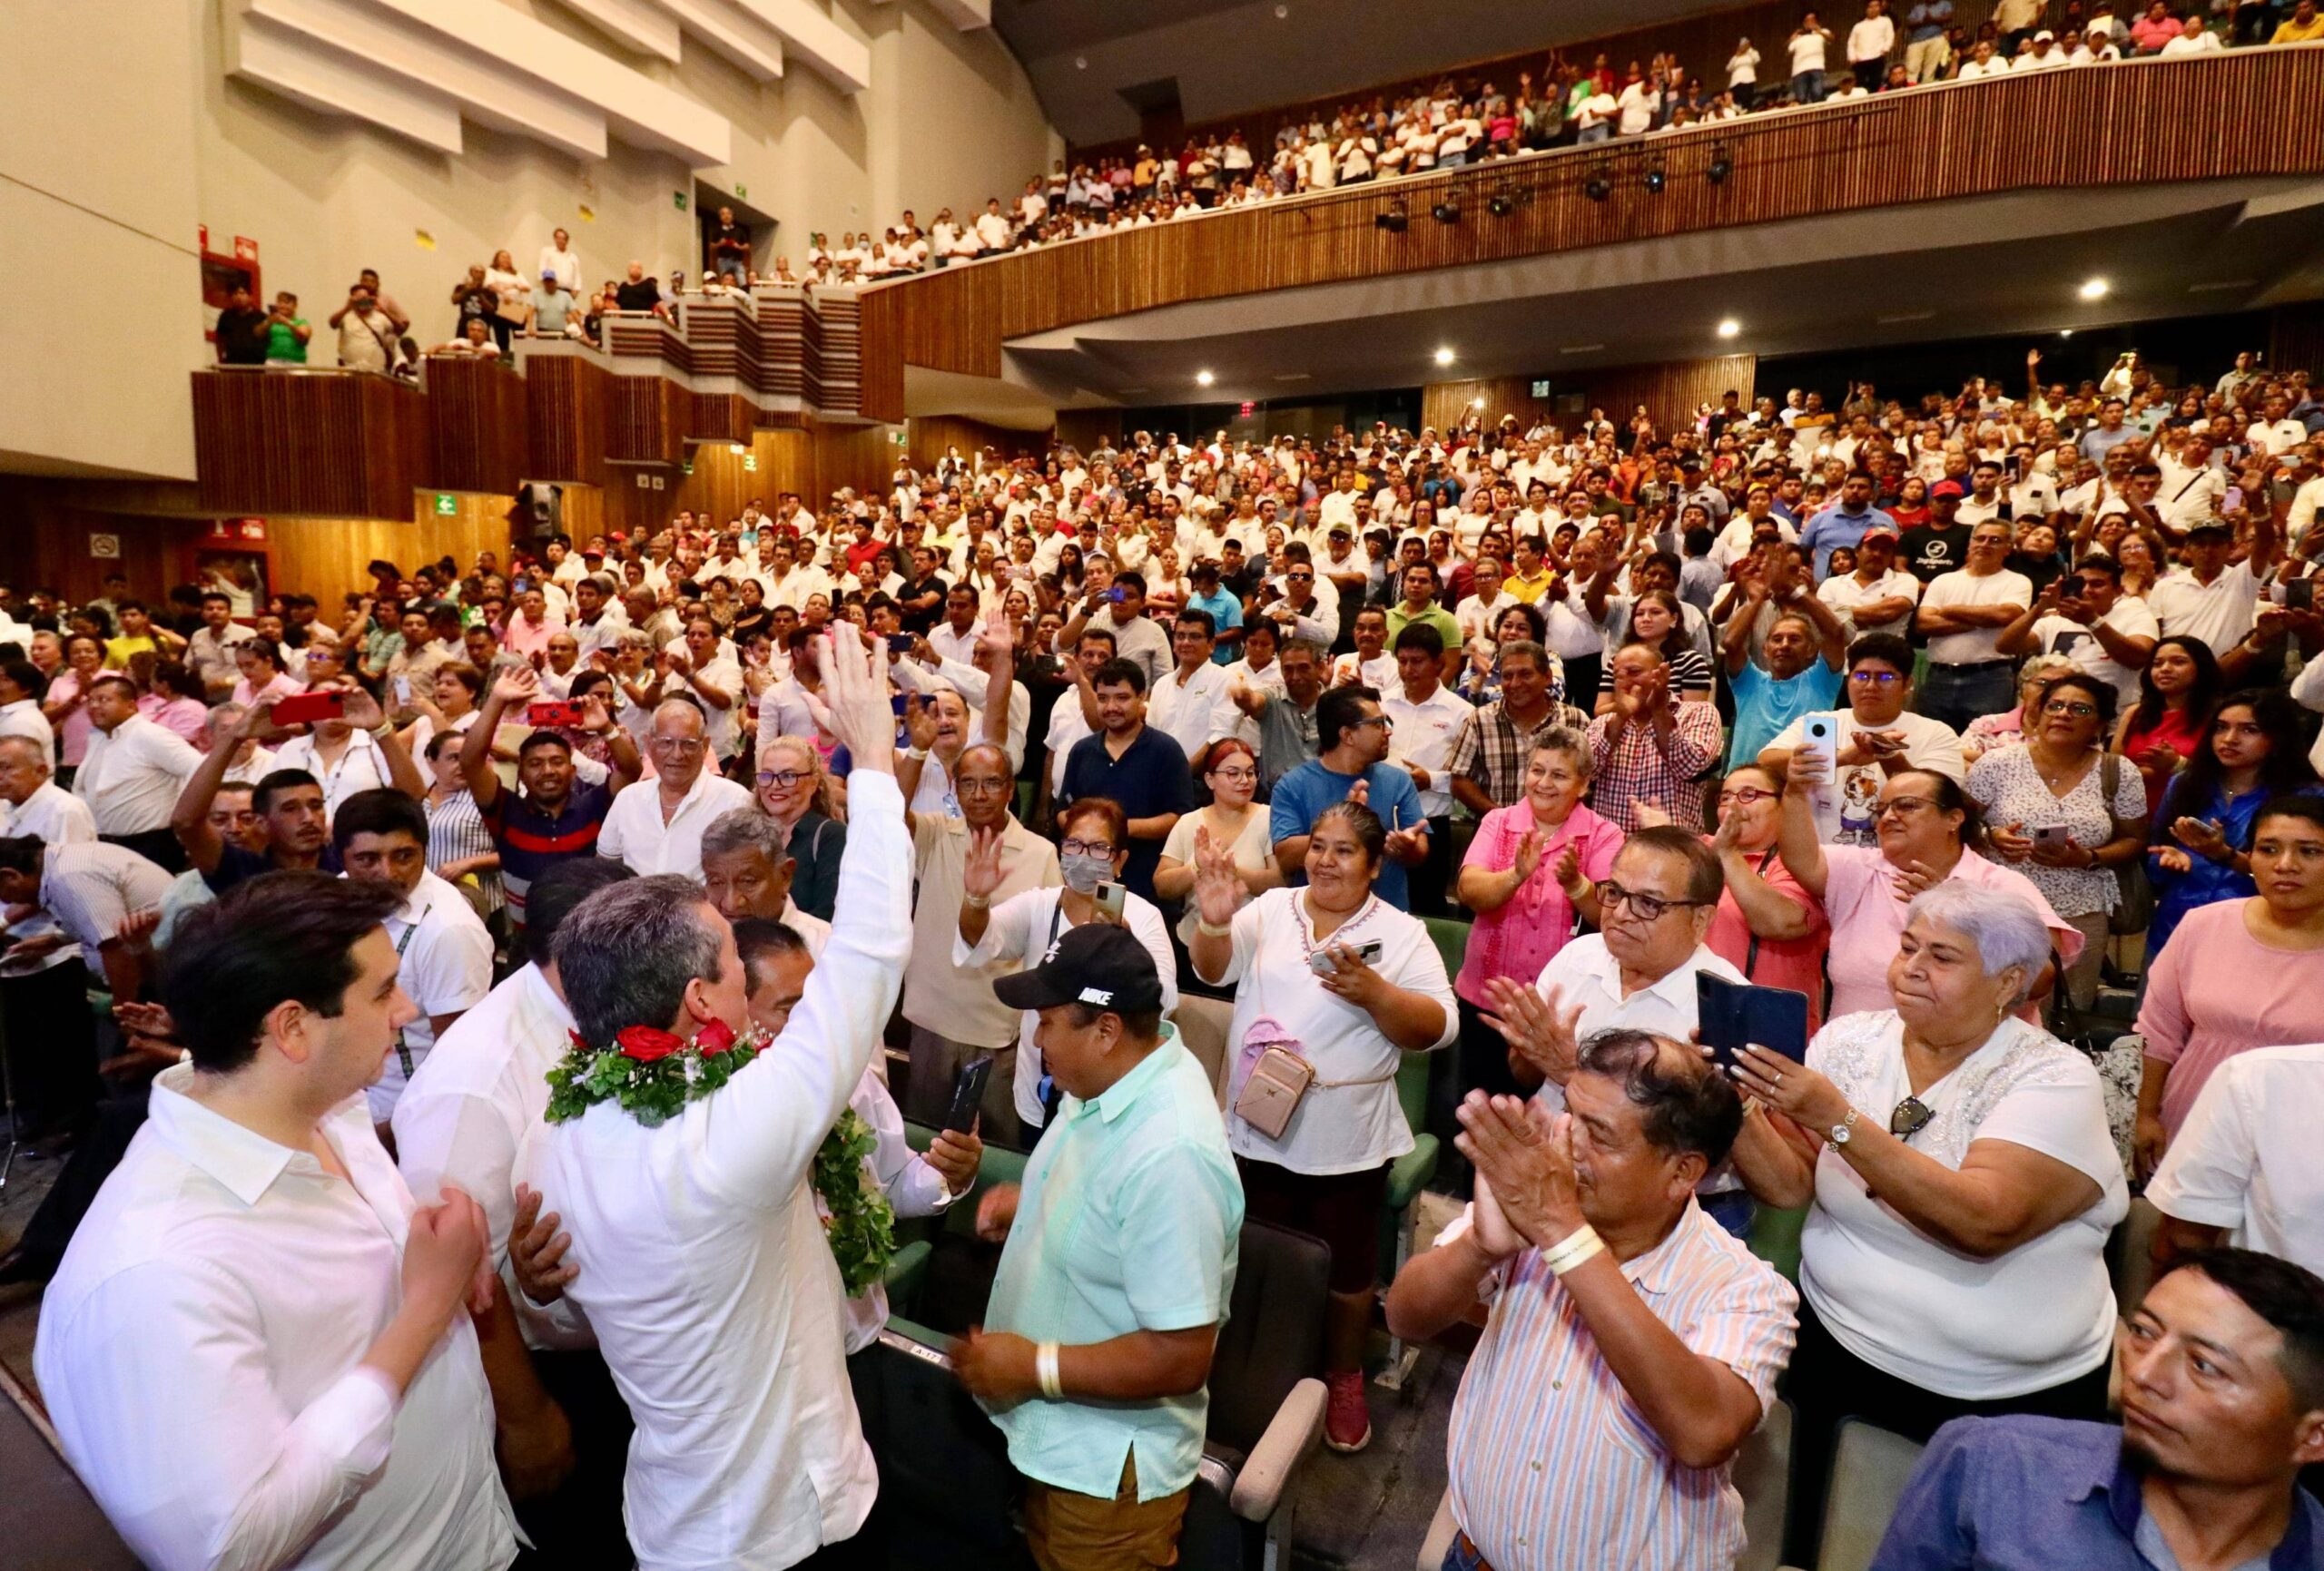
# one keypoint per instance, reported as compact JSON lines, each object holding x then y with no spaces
{"x":549,"y":272}
{"x":593,"y":549}
{"x":1098,"y":964}
{"x":1880,"y":532}
{"x":2046,"y":37}
{"x":1342,"y":531}
{"x":1946,"y":488}
{"x":2211,"y":526}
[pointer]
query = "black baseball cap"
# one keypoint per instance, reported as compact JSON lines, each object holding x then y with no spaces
{"x":1099,"y":964}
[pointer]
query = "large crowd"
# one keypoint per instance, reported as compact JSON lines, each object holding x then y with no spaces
{"x":507,"y":964}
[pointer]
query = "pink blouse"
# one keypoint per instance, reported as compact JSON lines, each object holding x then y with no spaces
{"x":2216,"y":991}
{"x":186,"y":716}
{"x":1793,"y":963}
{"x":1867,"y":920}
{"x":73,"y":731}
{"x":1518,"y":939}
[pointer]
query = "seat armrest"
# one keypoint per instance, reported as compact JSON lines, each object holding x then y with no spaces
{"x":1297,"y":1428}
{"x":1410,"y":1174}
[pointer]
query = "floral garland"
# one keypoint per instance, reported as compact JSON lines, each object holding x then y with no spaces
{"x":653,"y":1075}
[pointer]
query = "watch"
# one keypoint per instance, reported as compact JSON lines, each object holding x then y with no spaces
{"x":1841,"y":1131}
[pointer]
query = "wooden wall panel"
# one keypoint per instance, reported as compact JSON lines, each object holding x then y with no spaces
{"x":1670,"y":390}
{"x":337,"y":444}
{"x":477,"y":426}
{"x":326,"y":557}
{"x":1929,"y":144}
{"x":2296,"y":335}
{"x":1701,"y":43}
{"x":645,"y":421}
{"x":567,"y":409}
{"x":811,"y":462}
{"x":930,"y":435}
{"x":1085,"y":429}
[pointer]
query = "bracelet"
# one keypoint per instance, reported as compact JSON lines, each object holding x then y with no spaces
{"x":1572,"y":1249}
{"x":917,"y":754}
{"x":1210,"y":929}
{"x":976,"y":902}
{"x":1044,"y":1371}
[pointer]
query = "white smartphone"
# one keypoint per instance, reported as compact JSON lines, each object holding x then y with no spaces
{"x":1820,"y":735}
{"x":1110,"y":898}
{"x":2052,"y":835}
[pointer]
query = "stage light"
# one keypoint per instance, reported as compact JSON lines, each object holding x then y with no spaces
{"x":1500,"y":206}
{"x":1721,"y":166}
{"x":1446,"y":211}
{"x":1656,"y":179}
{"x":1599,"y":187}
{"x":1203,"y":378}
{"x":1392,"y":221}
{"x":1444,"y":356}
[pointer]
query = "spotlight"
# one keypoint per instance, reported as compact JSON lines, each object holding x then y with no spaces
{"x":1728,"y":327}
{"x":1444,"y":356}
{"x":1446,"y":211}
{"x":1656,"y":179}
{"x":1203,"y":378}
{"x":1500,"y":205}
{"x":1598,"y":188}
{"x":2095,"y":290}
{"x":1721,"y":166}
{"x":1394,"y":219}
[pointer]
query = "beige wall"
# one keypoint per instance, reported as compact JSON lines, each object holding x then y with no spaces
{"x":135,"y":118}
{"x":97,"y":253}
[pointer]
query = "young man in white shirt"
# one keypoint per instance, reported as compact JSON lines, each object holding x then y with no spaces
{"x":1185,"y":703}
{"x":2212,"y":598}
{"x":254,"y":1351}
{"x":1879,"y":596}
{"x":1425,"y":720}
{"x":2087,"y":618}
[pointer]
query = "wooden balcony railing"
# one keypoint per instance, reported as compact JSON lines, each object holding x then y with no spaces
{"x":2248,"y":112}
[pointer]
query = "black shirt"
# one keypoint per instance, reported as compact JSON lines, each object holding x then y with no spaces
{"x":729,"y":239}
{"x":242,"y":336}
{"x":1929,"y":549}
{"x":1149,"y":780}
{"x":2043,"y":571}
{"x":237,"y":866}
{"x":642,"y":296}
{"x":921,"y":621}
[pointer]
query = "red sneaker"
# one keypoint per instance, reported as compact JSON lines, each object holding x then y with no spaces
{"x":1347,"y":1417}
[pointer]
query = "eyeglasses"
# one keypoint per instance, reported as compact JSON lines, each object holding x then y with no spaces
{"x":1875,"y":678}
{"x":1085,"y":847}
{"x":1382,"y":720}
{"x":1650,"y":908}
{"x":2066,"y":707}
{"x":1235,"y":776}
{"x":1903,"y":805}
{"x":970,"y":786}
{"x":1909,"y":1117}
{"x":683,"y":746}
{"x":1743,"y":797}
{"x":783,"y":779}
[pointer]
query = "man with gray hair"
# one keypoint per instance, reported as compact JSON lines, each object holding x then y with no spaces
{"x":747,"y":868}
{"x":1631,"y":1346}
{"x":659,"y":830}
{"x":695,"y":1248}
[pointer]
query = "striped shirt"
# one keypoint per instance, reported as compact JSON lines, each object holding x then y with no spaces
{"x":1552,"y":1465}
{"x":530,"y":842}
{"x":456,"y":833}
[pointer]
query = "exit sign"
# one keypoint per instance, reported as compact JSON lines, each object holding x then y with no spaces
{"x":678,"y":200}
{"x":687,"y":466}
{"x":1248,"y":409}
{"x":1542,"y":388}
{"x":751,"y":462}
{"x":445,"y":505}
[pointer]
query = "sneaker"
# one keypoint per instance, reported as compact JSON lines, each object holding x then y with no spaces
{"x":1347,"y":1416}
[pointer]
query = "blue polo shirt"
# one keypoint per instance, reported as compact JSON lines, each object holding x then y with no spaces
{"x":2025,"y":1494}
{"x":1130,"y":1220}
{"x":1226,"y":611}
{"x":1302,"y":795}
{"x":1835,"y":526}
{"x":1149,"y":780}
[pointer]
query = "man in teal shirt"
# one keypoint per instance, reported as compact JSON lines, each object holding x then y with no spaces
{"x":1095,"y":1354}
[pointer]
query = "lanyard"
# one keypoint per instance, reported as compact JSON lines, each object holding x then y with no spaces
{"x":403,"y":1053}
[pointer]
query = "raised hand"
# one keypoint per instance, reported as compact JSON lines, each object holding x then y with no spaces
{"x":998,"y":641}
{"x":1528,"y":857}
{"x":919,"y":722}
{"x":1527,"y":1169}
{"x":856,"y":689}
{"x":517,"y":687}
{"x":1218,"y":883}
{"x":1539,"y":1029}
{"x":980,"y":868}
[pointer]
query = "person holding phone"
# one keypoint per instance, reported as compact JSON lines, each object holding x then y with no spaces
{"x":1960,"y":1182}
{"x":992,"y":938}
{"x":1337,"y":977}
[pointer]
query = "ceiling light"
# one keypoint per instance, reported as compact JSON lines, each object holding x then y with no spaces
{"x":1580,"y":349}
{"x":1082,"y":63}
{"x":1905,"y":317}
{"x":2222,"y":285}
{"x":1656,"y":179}
{"x":1280,"y":11}
{"x":1203,"y":378}
{"x":1446,"y":211}
{"x":2094,"y":290}
{"x":1728,"y":327}
{"x":2065,"y":332}
{"x":1445,"y":357}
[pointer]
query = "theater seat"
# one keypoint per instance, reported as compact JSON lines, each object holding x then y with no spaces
{"x":1870,"y":1468}
{"x":1202,"y":1026}
{"x":1407,"y":1176}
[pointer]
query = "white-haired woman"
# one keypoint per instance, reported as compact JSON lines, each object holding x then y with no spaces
{"x":1960,"y":1181}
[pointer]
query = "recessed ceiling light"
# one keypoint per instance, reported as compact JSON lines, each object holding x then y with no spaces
{"x":1203,"y":378}
{"x":1905,"y":317}
{"x":2220,"y":286}
{"x":1580,"y":349}
{"x":2094,"y":289}
{"x":2065,"y":332}
{"x":1444,"y":356}
{"x":1728,"y":327}
{"x":1082,"y":63}
{"x":1295,"y":376}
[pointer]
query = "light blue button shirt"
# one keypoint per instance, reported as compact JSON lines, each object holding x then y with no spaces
{"x":1129,"y":1221}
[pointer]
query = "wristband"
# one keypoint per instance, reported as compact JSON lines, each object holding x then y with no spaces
{"x":976,"y":902}
{"x":1576,"y":1247}
{"x":1210,"y":929}
{"x":1044,"y":1371}
{"x":917,"y":754}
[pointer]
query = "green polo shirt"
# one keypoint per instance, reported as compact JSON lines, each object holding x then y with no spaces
{"x":1129,"y":1221}
{"x":1433,"y":615}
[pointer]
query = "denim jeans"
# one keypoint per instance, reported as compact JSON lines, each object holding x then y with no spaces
{"x":1957,"y":694}
{"x":1601,"y":132}
{"x":1807,"y":88}
{"x":1462,"y":1557}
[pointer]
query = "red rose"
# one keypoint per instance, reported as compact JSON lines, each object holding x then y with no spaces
{"x":646,"y":1044}
{"x":714,"y":1038}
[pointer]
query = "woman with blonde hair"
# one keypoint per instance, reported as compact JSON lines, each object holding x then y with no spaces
{"x":798,"y":792}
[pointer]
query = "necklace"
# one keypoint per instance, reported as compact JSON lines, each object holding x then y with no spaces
{"x":2054,"y":777}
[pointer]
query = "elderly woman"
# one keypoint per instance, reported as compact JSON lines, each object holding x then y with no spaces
{"x":2067,"y":812}
{"x":2241,"y":974}
{"x":1960,"y":1181}
{"x":1988,"y":732}
{"x":1095,"y":848}
{"x":795,"y":790}
{"x":1928,"y":832}
{"x":1332,"y":985}
{"x":1531,"y":868}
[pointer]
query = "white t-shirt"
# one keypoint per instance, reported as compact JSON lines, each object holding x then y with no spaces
{"x":1843,"y":593}
{"x":1961,"y":587}
{"x":2061,"y":635}
{"x":2221,"y":613}
{"x":1807,"y":51}
{"x":633,"y":833}
{"x":2245,"y":1159}
{"x":1847,"y":808}
{"x":1338,"y":1127}
{"x":1021,"y":928}
{"x":2037,"y":1316}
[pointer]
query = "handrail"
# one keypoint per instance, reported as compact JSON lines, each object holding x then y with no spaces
{"x":1938,"y":141}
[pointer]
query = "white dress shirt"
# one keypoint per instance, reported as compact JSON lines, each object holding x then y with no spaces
{"x":2245,"y":1159}
{"x":56,"y":816}
{"x":910,"y":1183}
{"x":360,"y":767}
{"x":446,"y":970}
{"x":1189,"y":713}
{"x":1424,"y":734}
{"x":130,"y":778}
{"x":635,"y":834}
{"x":92,"y":888}
{"x":1585,"y":972}
{"x":23,"y":718}
{"x":467,"y":1111}
{"x":201,"y":1349}
{"x":706,"y":1271}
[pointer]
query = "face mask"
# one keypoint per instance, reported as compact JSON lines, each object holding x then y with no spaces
{"x":1084,"y":874}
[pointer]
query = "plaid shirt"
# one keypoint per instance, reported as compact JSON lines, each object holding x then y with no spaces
{"x":1640,"y":766}
{"x":1493,"y":751}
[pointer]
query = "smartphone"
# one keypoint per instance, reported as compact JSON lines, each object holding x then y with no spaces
{"x":1368,"y":952}
{"x":1820,"y":735}
{"x":900,"y":642}
{"x":967,"y":1094}
{"x":555,"y":711}
{"x":402,"y":685}
{"x":898,"y":703}
{"x":1733,"y":1014}
{"x":1111,"y":899}
{"x":306,"y":708}
{"x":2052,"y":835}
{"x":1117,"y":594}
